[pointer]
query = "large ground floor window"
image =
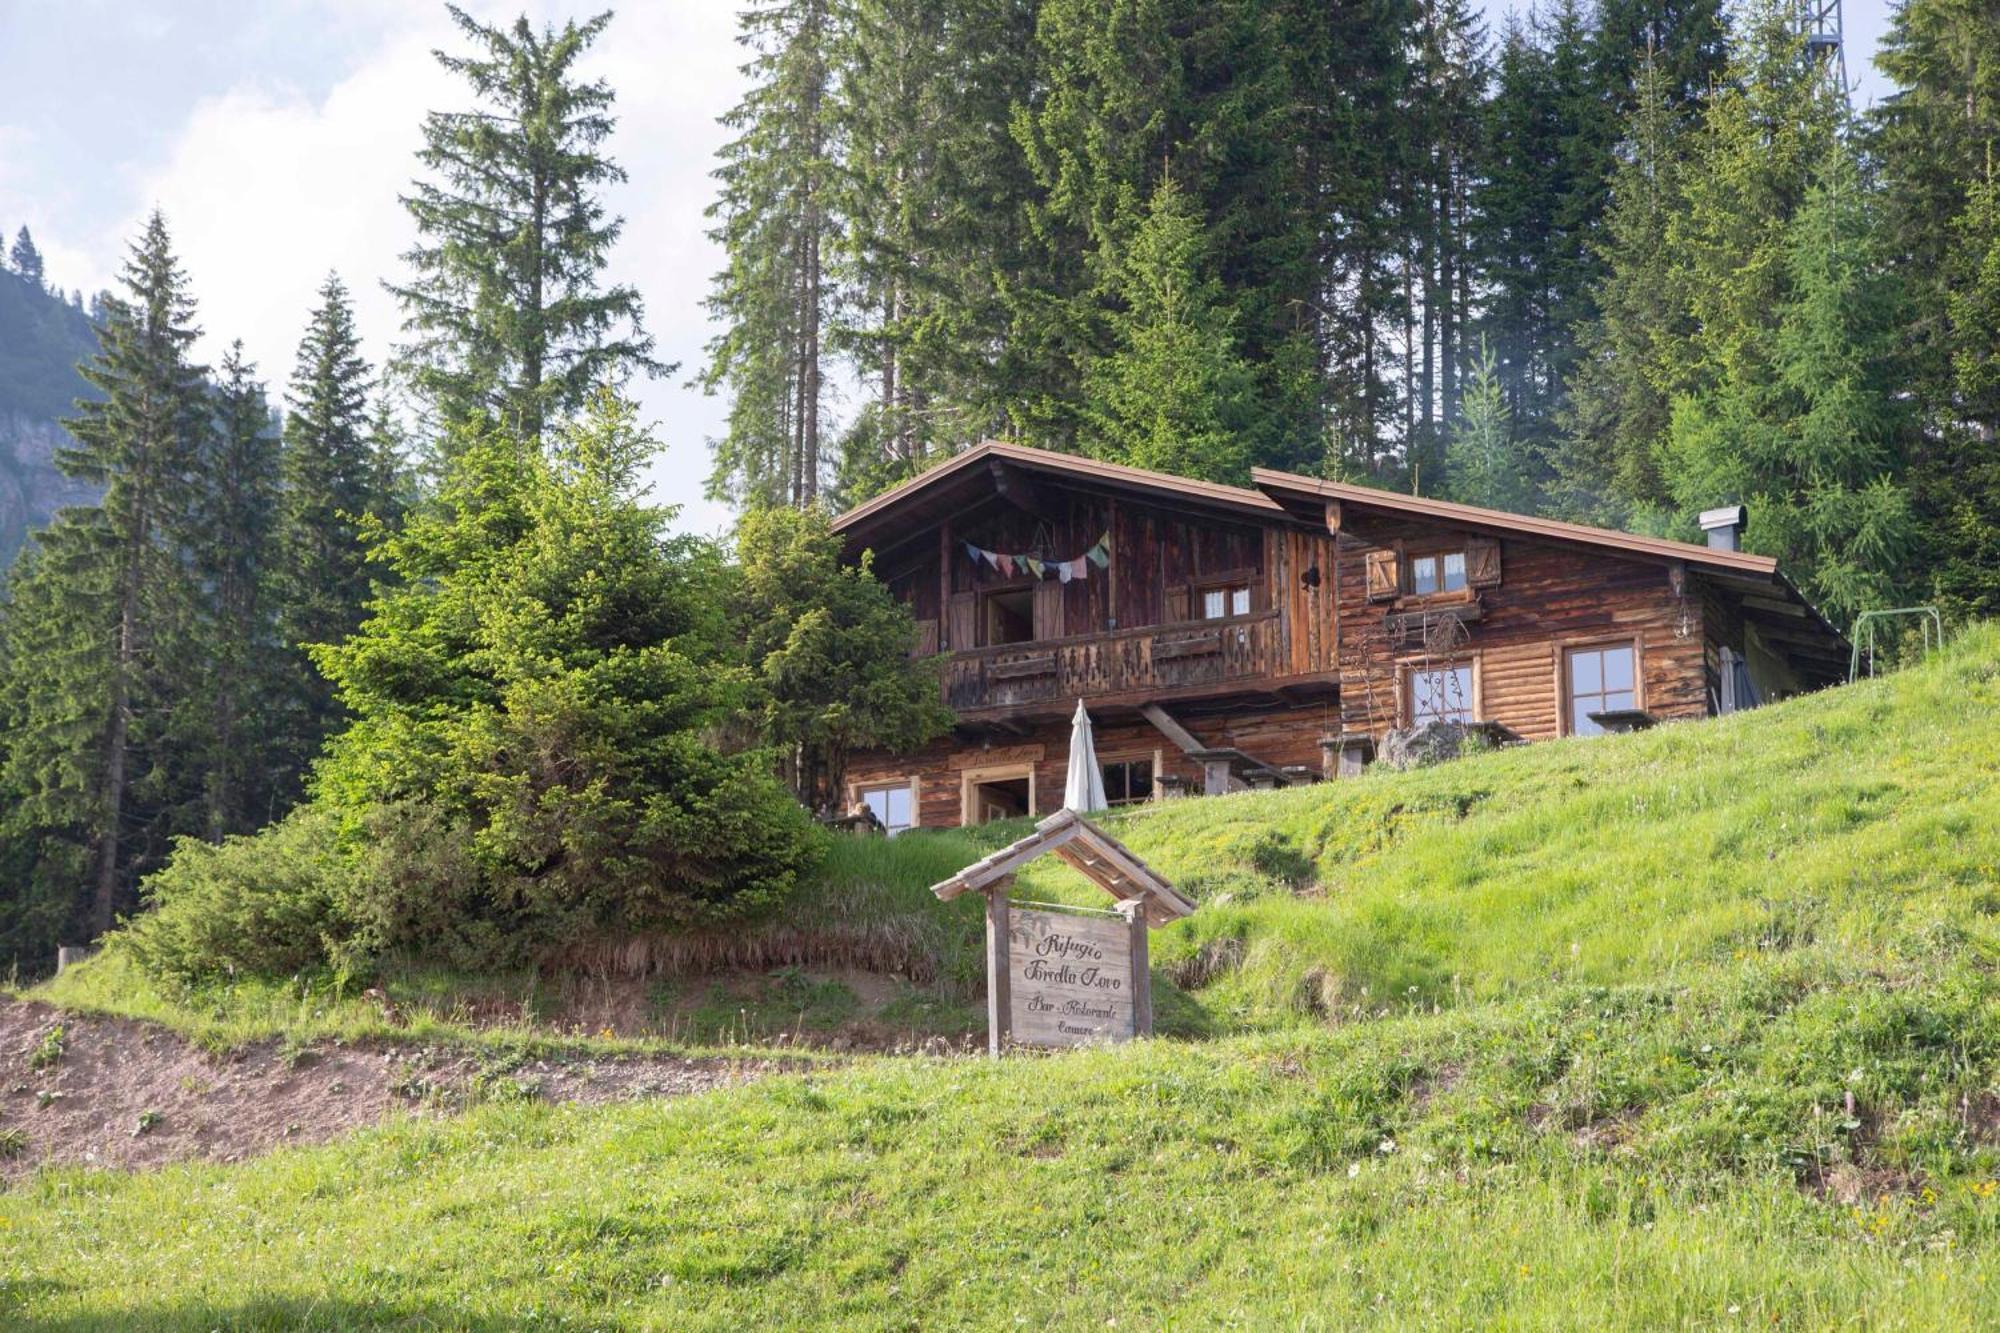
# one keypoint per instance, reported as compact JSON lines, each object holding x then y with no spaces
{"x":895,"y":806}
{"x":1599,"y":680}
{"x":1440,"y":693}
{"x":1128,"y":781}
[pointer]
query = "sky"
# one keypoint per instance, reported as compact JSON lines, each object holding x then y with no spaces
{"x":276,"y":136}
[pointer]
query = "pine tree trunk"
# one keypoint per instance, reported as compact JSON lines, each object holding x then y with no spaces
{"x":104,"y":895}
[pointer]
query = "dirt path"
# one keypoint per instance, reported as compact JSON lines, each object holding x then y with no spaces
{"x":77,"y":1090}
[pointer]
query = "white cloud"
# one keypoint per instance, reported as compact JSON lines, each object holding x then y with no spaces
{"x":265,"y":189}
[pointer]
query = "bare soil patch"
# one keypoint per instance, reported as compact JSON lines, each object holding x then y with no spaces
{"x":109,"y":1092}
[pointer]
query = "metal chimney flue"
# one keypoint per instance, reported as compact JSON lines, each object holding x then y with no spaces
{"x":1725,"y":526}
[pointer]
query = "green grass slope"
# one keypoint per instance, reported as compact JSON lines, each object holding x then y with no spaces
{"x":1699,"y":1027}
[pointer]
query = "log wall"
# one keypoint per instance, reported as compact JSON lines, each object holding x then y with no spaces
{"x":1278,"y":736}
{"x":1548,"y":599}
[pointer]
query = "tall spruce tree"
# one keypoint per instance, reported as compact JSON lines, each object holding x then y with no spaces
{"x":777,"y":220}
{"x":332,"y":480}
{"x":506,"y":308}
{"x":1933,"y":139}
{"x":1960,"y":487}
{"x":234,"y":549}
{"x":932,"y":192}
{"x":1606,"y":460}
{"x":1486,"y":461}
{"x":98,"y":610}
{"x":25,"y":259}
{"x":1174,"y":393}
{"x":1131,"y":93}
{"x":1799,"y":413}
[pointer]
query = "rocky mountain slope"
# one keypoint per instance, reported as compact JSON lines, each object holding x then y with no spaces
{"x":42,"y":337}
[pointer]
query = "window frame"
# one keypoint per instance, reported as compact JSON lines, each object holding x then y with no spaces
{"x":1152,"y":762}
{"x":1565,"y":697}
{"x":1439,"y":555}
{"x":1475,"y":704}
{"x":983,"y":626}
{"x":1230,"y":588}
{"x":862,"y":791}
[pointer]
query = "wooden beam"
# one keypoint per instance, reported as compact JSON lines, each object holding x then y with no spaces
{"x":944,"y":589}
{"x":1774,"y":605}
{"x":1171,"y":729}
{"x":1012,"y":485}
{"x":1005,"y":863}
{"x":999,"y":1001}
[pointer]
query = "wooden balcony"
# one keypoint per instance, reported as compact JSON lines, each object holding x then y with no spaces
{"x":1123,"y":666}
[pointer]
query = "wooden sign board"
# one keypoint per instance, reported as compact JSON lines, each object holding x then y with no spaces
{"x":1065,"y":978}
{"x":1070,"y":978}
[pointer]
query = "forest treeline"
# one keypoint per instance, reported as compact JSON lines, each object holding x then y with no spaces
{"x":405,"y":661}
{"x":1616,"y":261}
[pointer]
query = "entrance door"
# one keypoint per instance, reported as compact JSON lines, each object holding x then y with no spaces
{"x":1006,"y":799}
{"x":998,"y":793}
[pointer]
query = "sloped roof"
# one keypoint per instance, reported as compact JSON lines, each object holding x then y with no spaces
{"x":1287,"y":486}
{"x":951,"y":486}
{"x":1098,"y":856}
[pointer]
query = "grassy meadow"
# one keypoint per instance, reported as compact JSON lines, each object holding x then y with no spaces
{"x":1699,"y":1027}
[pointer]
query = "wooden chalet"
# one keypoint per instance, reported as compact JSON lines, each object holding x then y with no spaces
{"x":1226,"y":637}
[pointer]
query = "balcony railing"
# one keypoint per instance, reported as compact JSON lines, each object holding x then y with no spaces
{"x":1153,"y":659}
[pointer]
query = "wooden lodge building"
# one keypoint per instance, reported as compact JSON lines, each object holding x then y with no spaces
{"x":1227,"y":637}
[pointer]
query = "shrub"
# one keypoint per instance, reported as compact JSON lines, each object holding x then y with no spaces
{"x":273,"y":903}
{"x":529,"y":763}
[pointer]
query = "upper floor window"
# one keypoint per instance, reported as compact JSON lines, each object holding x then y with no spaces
{"x":1600,"y":680}
{"x":1442,"y":571}
{"x":894,"y":806}
{"x":1441,"y":694}
{"x":1226,"y":601}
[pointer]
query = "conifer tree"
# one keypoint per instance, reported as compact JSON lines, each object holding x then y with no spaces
{"x":506,"y":308}
{"x":106,"y":596}
{"x":1132,"y":93}
{"x":331,"y":479}
{"x":25,"y":259}
{"x":1615,"y":421}
{"x":1485,"y":461}
{"x":234,"y":556}
{"x":1800,"y":417}
{"x":1174,"y":394}
{"x":932,"y":193}
{"x":776,"y":218}
{"x":1961,"y":488}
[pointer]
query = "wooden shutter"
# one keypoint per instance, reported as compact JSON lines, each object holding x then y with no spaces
{"x":1385,"y":576}
{"x":1048,"y":610}
{"x":963,"y":620}
{"x":1482,"y":562}
{"x":927,"y":639}
{"x":1177,"y":604}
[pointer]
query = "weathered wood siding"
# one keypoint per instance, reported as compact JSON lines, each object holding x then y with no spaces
{"x":1547,"y":599}
{"x":1278,"y":736}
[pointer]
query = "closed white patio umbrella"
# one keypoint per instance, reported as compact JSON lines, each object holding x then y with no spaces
{"x":1084,"y":791}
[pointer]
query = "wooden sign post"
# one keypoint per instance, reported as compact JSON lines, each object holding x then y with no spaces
{"x":1066,"y":976}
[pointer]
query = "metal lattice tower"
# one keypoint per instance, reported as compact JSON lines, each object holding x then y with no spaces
{"x":1819,"y":23}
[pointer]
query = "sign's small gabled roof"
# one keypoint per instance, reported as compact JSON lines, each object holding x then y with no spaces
{"x":1098,"y":856}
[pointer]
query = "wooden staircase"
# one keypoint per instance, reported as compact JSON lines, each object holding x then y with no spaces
{"x":1223,"y":768}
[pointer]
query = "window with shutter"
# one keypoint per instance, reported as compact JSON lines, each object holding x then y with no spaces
{"x":1384,"y":575}
{"x":1482,"y":562}
{"x":1048,"y":610}
{"x":963,"y":621}
{"x":1177,"y":605}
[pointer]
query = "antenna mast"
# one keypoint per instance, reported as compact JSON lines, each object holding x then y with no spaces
{"x":1819,"y":22}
